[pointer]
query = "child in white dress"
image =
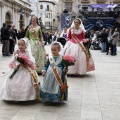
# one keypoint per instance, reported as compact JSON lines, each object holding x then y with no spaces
{"x":23,"y":86}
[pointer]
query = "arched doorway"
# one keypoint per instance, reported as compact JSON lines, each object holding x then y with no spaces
{"x":8,"y":18}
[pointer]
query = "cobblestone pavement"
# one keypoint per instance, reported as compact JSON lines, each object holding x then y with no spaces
{"x":95,"y":96}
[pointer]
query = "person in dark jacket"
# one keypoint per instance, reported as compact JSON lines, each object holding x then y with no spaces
{"x":13,"y":34}
{"x":21,"y":33}
{"x":103,"y":37}
{"x":5,"y":40}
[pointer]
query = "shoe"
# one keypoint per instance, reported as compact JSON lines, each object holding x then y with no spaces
{"x":4,"y":54}
{"x":106,"y":53}
{"x":7,"y":55}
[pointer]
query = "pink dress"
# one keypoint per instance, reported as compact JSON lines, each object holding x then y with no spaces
{"x":72,"y":48}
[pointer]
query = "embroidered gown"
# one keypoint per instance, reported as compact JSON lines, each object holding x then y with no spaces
{"x":37,"y":49}
{"x":72,"y":48}
{"x":21,"y":86}
{"x":50,"y":90}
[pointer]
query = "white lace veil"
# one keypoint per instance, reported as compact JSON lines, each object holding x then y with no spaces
{"x":81,"y":25}
{"x":28,"y":49}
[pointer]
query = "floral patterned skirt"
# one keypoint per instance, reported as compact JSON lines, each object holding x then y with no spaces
{"x":18,"y":88}
{"x":54,"y":98}
{"x":39,"y":54}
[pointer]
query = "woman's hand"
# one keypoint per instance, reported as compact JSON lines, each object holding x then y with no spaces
{"x":43,"y":73}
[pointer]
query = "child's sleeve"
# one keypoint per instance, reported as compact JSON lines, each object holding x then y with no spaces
{"x":46,"y":65}
{"x":12,"y":63}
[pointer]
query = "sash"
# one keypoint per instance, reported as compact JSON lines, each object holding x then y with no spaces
{"x":80,"y":45}
{"x":89,"y":66}
{"x":36,"y":36}
{"x":63,"y":86}
{"x":36,"y":83}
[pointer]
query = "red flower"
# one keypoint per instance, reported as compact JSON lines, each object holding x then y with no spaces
{"x":23,"y":59}
{"x":69,"y":58}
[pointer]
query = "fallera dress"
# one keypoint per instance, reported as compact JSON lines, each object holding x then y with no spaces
{"x":37,"y":48}
{"x":50,"y":89}
{"x":72,"y":48}
{"x":21,"y":86}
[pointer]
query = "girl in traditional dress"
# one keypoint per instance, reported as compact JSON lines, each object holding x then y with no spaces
{"x":34,"y":34}
{"x":22,"y":85}
{"x":64,"y":33}
{"x":75,"y":47}
{"x":54,"y":79}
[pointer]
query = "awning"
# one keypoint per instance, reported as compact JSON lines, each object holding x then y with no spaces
{"x":103,"y":6}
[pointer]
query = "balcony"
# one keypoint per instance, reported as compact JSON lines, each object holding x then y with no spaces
{"x":116,"y":1}
{"x":85,"y":1}
{"x":100,"y":1}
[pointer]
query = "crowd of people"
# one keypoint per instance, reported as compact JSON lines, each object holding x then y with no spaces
{"x":105,"y":39}
{"x":23,"y":84}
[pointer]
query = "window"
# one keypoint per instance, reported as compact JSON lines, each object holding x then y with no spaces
{"x":49,"y":24}
{"x":41,"y":6}
{"x":49,"y":15}
{"x":48,"y":8}
{"x":46,"y":15}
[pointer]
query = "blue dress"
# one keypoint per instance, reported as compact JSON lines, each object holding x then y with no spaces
{"x":50,"y":90}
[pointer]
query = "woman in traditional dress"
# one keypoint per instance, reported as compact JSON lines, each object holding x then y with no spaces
{"x":64,"y":33}
{"x":34,"y":34}
{"x":76,"y":47}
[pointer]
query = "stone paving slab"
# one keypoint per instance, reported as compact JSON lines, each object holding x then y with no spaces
{"x":95,"y":96}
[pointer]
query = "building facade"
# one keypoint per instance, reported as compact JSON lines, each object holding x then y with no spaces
{"x":78,"y":8}
{"x":17,"y":12}
{"x":47,"y":13}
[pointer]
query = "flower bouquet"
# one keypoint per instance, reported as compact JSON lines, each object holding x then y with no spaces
{"x":22,"y":59}
{"x":68,"y":61}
